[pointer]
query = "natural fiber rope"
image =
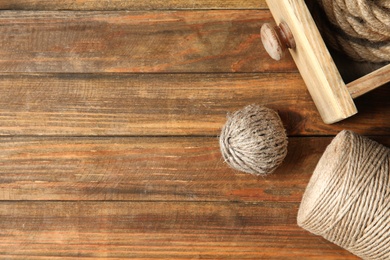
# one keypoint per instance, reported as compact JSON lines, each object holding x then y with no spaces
{"x":253,"y":140}
{"x":347,"y":200}
{"x":360,"y":28}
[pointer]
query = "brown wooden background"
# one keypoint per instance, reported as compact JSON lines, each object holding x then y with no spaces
{"x":109,"y":117}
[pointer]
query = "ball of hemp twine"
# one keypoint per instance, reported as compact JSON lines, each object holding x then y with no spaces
{"x":253,"y":140}
{"x":359,"y":28}
{"x":347,"y":200}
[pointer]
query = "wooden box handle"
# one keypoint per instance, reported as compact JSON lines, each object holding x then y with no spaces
{"x":277,"y":39}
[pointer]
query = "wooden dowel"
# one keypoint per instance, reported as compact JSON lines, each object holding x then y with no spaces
{"x":369,"y":82}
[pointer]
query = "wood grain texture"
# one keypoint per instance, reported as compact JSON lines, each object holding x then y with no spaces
{"x":148,"y":169}
{"x":163,"y":230}
{"x":314,"y":62}
{"x":130,"y":4}
{"x":109,"y":122}
{"x":174,"y":104}
{"x":162,"y":169}
{"x":369,"y":82}
{"x":164,"y":41}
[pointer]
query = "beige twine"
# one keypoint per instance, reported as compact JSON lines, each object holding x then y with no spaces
{"x":347,"y":200}
{"x":360,"y":28}
{"x":253,"y":140}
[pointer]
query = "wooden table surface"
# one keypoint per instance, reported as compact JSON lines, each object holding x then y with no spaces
{"x":109,"y":119}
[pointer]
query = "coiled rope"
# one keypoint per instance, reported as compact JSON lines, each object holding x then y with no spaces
{"x":359,"y":28}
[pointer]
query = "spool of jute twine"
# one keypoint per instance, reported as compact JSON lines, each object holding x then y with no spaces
{"x":253,"y":140}
{"x":359,"y":28}
{"x":347,"y":200}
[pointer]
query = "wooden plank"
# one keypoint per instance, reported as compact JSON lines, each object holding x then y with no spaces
{"x":369,"y":82}
{"x":313,"y":60}
{"x":130,"y":4}
{"x":160,"y":41}
{"x":174,"y":104}
{"x":165,"y":230}
{"x":162,"y":169}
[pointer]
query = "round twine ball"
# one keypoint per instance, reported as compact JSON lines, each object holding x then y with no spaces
{"x":347,"y":200}
{"x":253,"y":140}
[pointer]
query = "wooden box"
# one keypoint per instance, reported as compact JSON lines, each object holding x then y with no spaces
{"x":298,"y":31}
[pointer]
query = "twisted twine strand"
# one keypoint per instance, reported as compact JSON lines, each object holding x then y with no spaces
{"x":348,"y":198}
{"x":361,"y":28}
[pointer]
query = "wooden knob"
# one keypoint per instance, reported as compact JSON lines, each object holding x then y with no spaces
{"x":277,"y":39}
